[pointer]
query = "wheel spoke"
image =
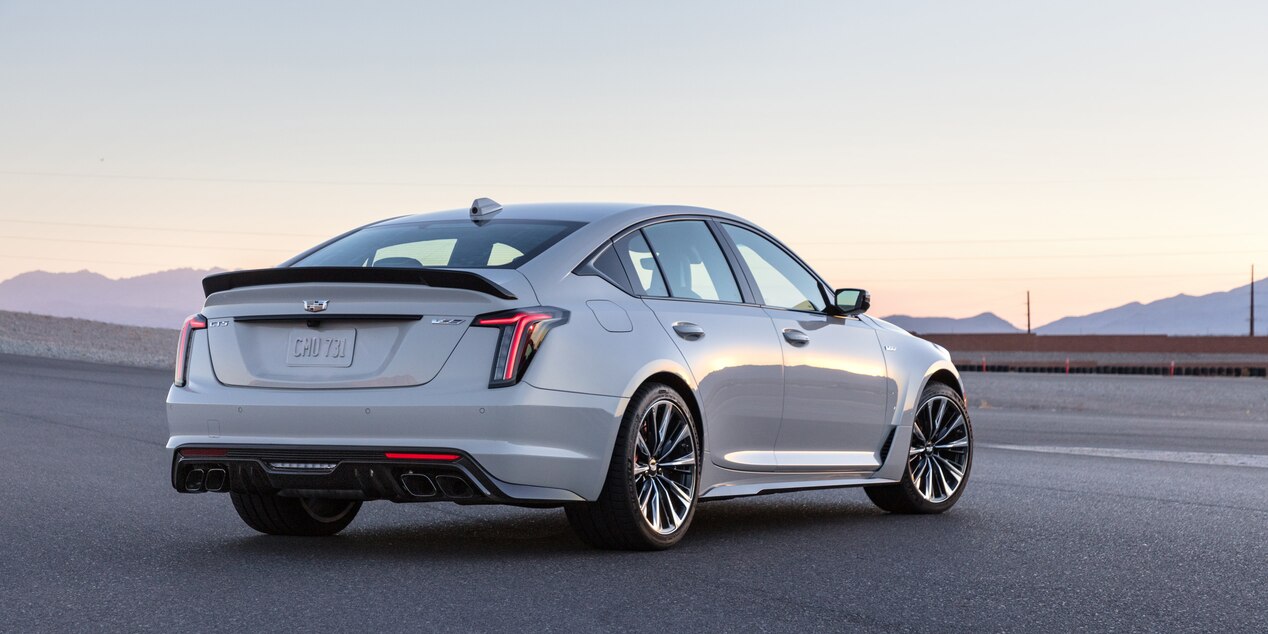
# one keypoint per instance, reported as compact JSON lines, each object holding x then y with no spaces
{"x":662,"y":428}
{"x":644,"y":495}
{"x":955,"y":471}
{"x":668,"y":449}
{"x":954,"y":444}
{"x":679,"y":492}
{"x":640,"y":469}
{"x":641,"y":445}
{"x":942,"y":490}
{"x":655,"y":503}
{"x":688,"y":460}
{"x":928,"y":488}
{"x":955,"y":424}
{"x":915,"y":425}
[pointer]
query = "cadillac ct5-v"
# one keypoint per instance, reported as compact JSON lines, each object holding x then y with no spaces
{"x":623,"y":362}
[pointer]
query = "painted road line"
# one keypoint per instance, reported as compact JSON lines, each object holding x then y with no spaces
{"x":1186,"y":457}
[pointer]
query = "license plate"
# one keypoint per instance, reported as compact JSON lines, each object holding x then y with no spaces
{"x":329,"y":348}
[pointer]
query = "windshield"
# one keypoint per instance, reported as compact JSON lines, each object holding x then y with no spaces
{"x":459,"y":244}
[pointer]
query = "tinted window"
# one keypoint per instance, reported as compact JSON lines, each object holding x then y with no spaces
{"x":692,"y":261}
{"x":644,"y":274}
{"x":444,"y":244}
{"x":608,"y":265}
{"x":782,"y":281}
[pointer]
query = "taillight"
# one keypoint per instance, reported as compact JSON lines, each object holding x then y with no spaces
{"x":192,"y":323}
{"x":521,"y":334}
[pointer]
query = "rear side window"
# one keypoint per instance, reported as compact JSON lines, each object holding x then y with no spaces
{"x":443,"y":244}
{"x":691,"y":261}
{"x":644,"y":274}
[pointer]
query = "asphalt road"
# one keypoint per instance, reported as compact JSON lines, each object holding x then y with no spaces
{"x":1157,"y":534}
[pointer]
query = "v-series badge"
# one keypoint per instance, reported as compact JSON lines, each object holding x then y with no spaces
{"x":447,"y":321}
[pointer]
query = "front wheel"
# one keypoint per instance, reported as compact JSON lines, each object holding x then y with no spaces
{"x":939,"y":459}
{"x":649,"y":497}
{"x":273,"y":514}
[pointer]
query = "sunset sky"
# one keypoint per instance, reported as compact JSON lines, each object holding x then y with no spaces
{"x":948,"y":156}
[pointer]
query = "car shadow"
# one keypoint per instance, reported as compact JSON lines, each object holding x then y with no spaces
{"x":495,"y":533}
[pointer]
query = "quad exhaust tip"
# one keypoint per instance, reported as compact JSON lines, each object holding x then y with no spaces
{"x":216,"y":480}
{"x":454,"y":487}
{"x":194,"y":480}
{"x":199,"y":480}
{"x":418,"y":485}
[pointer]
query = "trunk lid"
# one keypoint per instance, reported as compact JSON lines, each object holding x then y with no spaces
{"x":366,"y":334}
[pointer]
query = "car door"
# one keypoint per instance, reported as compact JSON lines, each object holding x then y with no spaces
{"x":730,"y":347}
{"x":835,"y":380}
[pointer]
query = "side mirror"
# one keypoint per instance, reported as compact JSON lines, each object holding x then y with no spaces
{"x":852,"y":301}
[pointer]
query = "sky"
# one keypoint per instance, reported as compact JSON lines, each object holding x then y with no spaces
{"x":949,"y":157}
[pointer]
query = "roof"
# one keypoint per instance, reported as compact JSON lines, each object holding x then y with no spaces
{"x":602,"y":221}
{"x":576,"y":212}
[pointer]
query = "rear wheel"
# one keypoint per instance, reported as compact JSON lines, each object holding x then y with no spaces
{"x":939,"y":459}
{"x":649,"y":497}
{"x":276,"y":515}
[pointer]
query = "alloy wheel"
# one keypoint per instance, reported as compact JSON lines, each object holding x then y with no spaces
{"x":939,"y":454}
{"x":664,"y":466}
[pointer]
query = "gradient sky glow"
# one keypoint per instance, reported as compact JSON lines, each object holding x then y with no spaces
{"x":947,"y":156}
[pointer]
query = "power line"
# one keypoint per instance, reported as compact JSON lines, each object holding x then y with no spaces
{"x":1067,"y":256}
{"x":955,"y":242}
{"x":1034,"y":278}
{"x":275,"y":181}
{"x":88,"y":261}
{"x":148,"y":244}
{"x":169,"y":229}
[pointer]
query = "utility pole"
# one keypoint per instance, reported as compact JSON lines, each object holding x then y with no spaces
{"x":1252,"y":300}
{"x":1252,"y":333}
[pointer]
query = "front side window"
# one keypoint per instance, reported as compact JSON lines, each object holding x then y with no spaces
{"x":782,"y":281}
{"x":691,"y":261}
{"x":443,"y":244}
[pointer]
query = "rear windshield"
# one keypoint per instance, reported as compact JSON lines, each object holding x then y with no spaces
{"x":458,"y":244}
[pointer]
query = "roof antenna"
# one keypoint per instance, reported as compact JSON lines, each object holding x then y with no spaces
{"x":484,"y":208}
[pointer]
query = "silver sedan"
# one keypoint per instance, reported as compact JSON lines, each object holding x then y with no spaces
{"x":623,"y":362}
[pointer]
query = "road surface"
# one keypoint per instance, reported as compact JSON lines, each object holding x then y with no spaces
{"x":1111,"y":503}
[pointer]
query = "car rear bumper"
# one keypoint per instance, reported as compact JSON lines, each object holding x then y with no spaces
{"x":521,"y":444}
{"x":414,"y":475}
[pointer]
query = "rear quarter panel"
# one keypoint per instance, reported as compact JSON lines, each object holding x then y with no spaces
{"x":584,"y":356}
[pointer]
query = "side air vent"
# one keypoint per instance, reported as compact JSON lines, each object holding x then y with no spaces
{"x":889,"y":442}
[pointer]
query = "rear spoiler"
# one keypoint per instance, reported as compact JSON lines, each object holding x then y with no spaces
{"x":439,"y":278}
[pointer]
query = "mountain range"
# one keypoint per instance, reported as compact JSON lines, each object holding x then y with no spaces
{"x":1220,"y":313}
{"x":164,"y":299}
{"x":160,"y":300}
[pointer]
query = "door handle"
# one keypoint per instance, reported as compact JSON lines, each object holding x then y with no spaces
{"x":688,"y":330}
{"x":796,"y":337}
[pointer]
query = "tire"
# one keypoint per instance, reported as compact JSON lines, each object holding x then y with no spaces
{"x":929,"y":483}
{"x":276,"y":515}
{"x":661,"y":476}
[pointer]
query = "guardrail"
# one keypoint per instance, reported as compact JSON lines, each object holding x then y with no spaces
{"x":1093,"y":368}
